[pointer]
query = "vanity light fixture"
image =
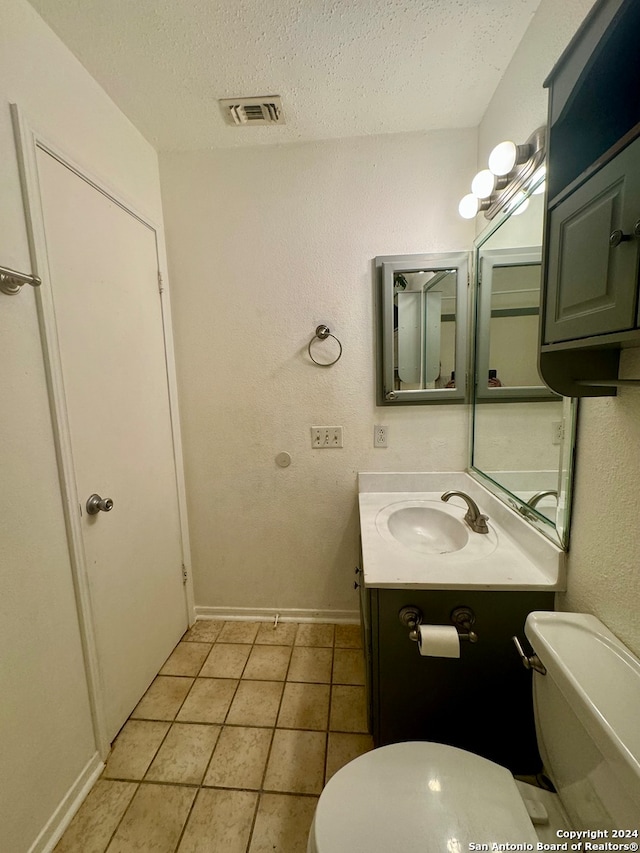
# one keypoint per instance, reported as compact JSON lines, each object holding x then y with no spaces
{"x":486,"y":183}
{"x":470,"y":205}
{"x":512,"y":168}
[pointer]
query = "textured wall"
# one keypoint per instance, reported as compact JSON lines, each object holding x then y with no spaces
{"x":604,"y":560}
{"x":264,"y":244}
{"x":519,"y":104}
{"x":46,"y":736}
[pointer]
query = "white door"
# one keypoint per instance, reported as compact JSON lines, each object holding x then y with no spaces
{"x":103,"y":269}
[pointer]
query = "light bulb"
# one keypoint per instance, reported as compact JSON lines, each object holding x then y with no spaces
{"x":503,"y":158}
{"x":519,"y":204}
{"x":469,"y":206}
{"x":483,"y":184}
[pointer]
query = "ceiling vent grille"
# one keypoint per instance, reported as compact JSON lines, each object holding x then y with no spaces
{"x":250,"y":111}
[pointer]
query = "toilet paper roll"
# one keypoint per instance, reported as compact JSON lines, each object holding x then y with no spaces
{"x":439,"y":641}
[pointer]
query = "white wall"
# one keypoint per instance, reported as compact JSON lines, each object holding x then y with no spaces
{"x":604,"y":560}
{"x":519,"y":104}
{"x":46,"y":736}
{"x":264,"y":244}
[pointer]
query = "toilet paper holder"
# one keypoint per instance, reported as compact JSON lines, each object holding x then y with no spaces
{"x":463,"y":618}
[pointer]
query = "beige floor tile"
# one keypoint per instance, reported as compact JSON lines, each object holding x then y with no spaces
{"x":240,"y":758}
{"x":348,"y":709}
{"x":269,"y":663}
{"x":203,"y":631}
{"x":348,"y":666}
{"x":296,"y":762}
{"x":220,"y":822}
{"x":304,"y":706}
{"x":154,"y":820}
{"x":282,"y":635}
{"x":134,"y":749}
{"x":310,"y":664}
{"x":186,"y":659}
{"x":208,"y":701}
{"x":282,"y":824}
{"x":95,"y":822}
{"x":311,"y":634}
{"x":343,"y":748}
{"x":255,"y":703}
{"x":238,"y":632}
{"x":163,"y":699}
{"x":184,"y":755}
{"x":227,"y":660}
{"x":348,"y":637}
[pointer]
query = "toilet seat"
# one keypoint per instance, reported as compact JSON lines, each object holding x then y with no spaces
{"x":422,"y":797}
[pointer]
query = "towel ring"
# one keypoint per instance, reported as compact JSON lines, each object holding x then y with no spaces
{"x":322,"y":333}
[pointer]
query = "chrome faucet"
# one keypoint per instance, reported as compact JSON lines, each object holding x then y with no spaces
{"x":535,"y":500}
{"x":474,"y":518}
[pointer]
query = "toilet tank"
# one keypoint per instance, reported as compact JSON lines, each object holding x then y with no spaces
{"x":587,"y":710}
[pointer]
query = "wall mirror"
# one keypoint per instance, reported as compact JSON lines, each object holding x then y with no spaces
{"x":522,"y":438}
{"x":423,"y":328}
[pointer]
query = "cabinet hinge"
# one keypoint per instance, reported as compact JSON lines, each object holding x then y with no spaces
{"x":160,"y":282}
{"x":184,"y":574}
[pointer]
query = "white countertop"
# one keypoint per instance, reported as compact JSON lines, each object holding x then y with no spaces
{"x":516,"y":556}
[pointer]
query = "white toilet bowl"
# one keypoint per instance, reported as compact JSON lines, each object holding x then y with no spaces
{"x":432,"y":798}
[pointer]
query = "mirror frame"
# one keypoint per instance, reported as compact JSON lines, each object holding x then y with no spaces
{"x":385,"y":268}
{"x":486,"y":262}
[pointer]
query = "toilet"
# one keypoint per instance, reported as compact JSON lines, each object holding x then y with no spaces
{"x":425,"y":797}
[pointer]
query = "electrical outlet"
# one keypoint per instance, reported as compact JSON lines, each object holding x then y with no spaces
{"x":557,"y":432}
{"x":380,"y":435}
{"x":326,"y":436}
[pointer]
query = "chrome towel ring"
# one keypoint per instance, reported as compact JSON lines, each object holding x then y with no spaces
{"x":322,"y":333}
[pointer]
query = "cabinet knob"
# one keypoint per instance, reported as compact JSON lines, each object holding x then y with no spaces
{"x":636,"y":228}
{"x":616,"y":237}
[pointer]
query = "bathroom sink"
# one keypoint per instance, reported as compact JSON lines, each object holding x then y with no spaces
{"x":412,"y":539}
{"x":434,"y":529}
{"x":426,"y":529}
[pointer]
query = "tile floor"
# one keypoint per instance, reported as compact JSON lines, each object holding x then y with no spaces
{"x":230,"y":746}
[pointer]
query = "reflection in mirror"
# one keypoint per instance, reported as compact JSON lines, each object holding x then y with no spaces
{"x":523,"y":433}
{"x":507,"y":324}
{"x":422,"y":320}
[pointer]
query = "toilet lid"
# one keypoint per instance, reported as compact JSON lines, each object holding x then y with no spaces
{"x":422,"y":797}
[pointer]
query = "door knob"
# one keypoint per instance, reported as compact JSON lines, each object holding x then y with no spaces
{"x":96,"y":504}
{"x":616,"y":237}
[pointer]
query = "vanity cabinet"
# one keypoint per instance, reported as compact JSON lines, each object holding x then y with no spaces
{"x":481,"y":701}
{"x":592,"y":230}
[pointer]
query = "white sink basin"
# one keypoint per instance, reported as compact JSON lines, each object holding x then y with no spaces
{"x":412,"y":539}
{"x":425,"y":528}
{"x":432,"y":527}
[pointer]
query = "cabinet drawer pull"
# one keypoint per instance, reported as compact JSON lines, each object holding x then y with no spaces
{"x":616,"y":237}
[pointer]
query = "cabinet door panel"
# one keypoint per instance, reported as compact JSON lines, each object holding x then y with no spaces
{"x":592,"y":286}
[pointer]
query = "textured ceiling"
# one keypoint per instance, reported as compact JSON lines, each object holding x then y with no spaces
{"x":342,"y":67}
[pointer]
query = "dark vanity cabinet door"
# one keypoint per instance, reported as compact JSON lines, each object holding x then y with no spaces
{"x":481,"y":701}
{"x":592,"y":272}
{"x":590,"y":254}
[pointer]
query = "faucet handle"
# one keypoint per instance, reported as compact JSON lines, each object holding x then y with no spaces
{"x":480,"y":524}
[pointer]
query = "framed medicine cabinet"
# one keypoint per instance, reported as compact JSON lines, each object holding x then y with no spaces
{"x":423,"y":328}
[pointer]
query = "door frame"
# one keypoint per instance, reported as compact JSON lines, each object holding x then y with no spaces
{"x":28,"y":140}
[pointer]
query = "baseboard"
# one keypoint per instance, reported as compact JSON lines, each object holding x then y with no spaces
{"x":61,"y":818}
{"x":268,"y":614}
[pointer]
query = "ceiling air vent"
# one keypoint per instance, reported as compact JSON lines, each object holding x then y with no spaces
{"x":250,"y":111}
